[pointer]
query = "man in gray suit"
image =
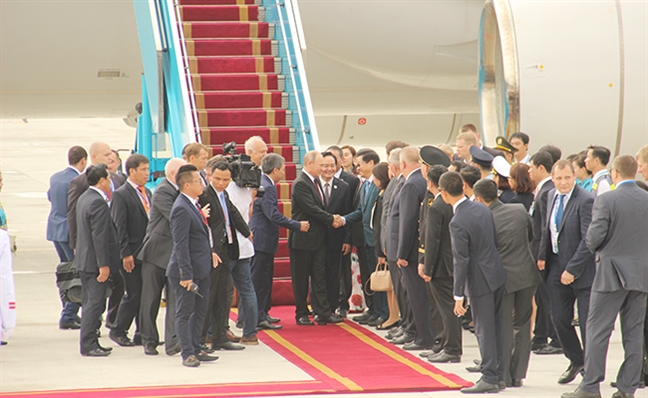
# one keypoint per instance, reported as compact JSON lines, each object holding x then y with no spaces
{"x":617,"y":235}
{"x":569,"y":263}
{"x":522,"y":277}
{"x":479,"y":274}
{"x":154,"y":255}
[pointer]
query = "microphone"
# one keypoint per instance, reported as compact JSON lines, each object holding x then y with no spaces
{"x":193,"y":288}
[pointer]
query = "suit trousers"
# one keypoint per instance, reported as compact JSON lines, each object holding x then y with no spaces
{"x":604,"y":306}
{"x":70,"y":310}
{"x":407,"y":318}
{"x":418,"y":300}
{"x":153,"y":281}
{"x":363,"y":264}
{"x":345,"y":282}
{"x":219,"y":306}
{"x":117,"y":285}
{"x":262,"y":268}
{"x":444,"y":299}
{"x":130,"y":304}
{"x":305,"y":264}
{"x":562,"y":314}
{"x":242,"y":279}
{"x":488,"y":316}
{"x":332,"y":269}
{"x":94,"y":304}
{"x":544,"y":328}
{"x":435,"y":315}
{"x":517,"y":310}
{"x":190,"y":315}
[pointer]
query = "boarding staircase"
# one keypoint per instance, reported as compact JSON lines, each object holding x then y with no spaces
{"x":235,"y":70}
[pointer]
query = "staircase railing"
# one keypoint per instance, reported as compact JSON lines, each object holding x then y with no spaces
{"x":291,"y":42}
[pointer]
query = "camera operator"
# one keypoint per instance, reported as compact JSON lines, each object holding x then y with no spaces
{"x":243,"y":198}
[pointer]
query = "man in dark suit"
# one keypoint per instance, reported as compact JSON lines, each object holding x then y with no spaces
{"x":57,"y":225}
{"x":378,"y":311}
{"x":522,"y":277}
{"x":479,"y":274}
{"x":569,"y":263}
{"x":224,"y":221}
{"x":435,"y":267}
{"x":345,"y":284}
{"x":405,"y":229}
{"x":100,"y":153}
{"x":540,"y":166}
{"x":130,"y":208}
{"x":308,"y":249}
{"x":190,"y":264}
{"x":265,"y":223}
{"x":96,"y":257}
{"x":617,"y":235}
{"x":154,"y":257}
{"x":336,"y":199}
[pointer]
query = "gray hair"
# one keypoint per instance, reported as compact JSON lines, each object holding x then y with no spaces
{"x":272,"y":161}
{"x":394,"y":157}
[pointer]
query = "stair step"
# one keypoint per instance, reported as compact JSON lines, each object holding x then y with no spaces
{"x":271,"y":135}
{"x":287,"y":151}
{"x":222,"y":13}
{"x":281,"y":266}
{"x":218,"y":2}
{"x":234,"y":64}
{"x":282,"y":292}
{"x":228,"y":30}
{"x":206,"y":47}
{"x":237,"y":81}
{"x":241,"y":99}
{"x":244,"y":117}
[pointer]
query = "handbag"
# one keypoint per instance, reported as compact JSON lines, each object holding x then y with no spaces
{"x":380,"y":280}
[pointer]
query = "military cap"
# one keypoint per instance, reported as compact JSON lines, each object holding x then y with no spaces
{"x":501,"y":166}
{"x":504,"y":145}
{"x":480,"y":156}
{"x":432,"y":156}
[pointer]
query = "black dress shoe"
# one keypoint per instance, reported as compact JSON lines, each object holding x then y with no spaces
{"x":205,"y":357}
{"x":395,"y":333}
{"x":72,"y":325}
{"x":206,"y":349}
{"x":404,"y":339}
{"x":137,"y":339}
{"x":549,"y":350}
{"x":415,"y":347}
{"x":240,"y":324}
{"x":619,"y":394}
{"x":191,"y":362}
{"x":365,"y":316}
{"x":97,"y":352}
{"x":473,"y":369}
{"x":174,"y":349}
{"x":378,"y":321}
{"x":265,"y":325}
{"x":444,"y":357}
{"x":537,"y":346}
{"x":342,"y":313}
{"x":516,"y":383}
{"x":150,"y":349}
{"x":229,"y":346}
{"x":481,"y":387}
{"x":272,"y":319}
{"x":581,"y":394}
{"x":642,"y":384}
{"x":570,"y":374}
{"x":369,"y":320}
{"x":304,"y":321}
{"x":323,"y":320}
{"x":123,"y":341}
{"x":382,"y":326}
{"x":502,"y":385}
{"x":107,"y":349}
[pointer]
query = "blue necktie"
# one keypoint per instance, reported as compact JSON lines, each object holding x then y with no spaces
{"x":228,"y":230}
{"x":366,"y":191}
{"x":559,"y":211}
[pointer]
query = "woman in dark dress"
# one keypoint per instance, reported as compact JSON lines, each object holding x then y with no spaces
{"x":522,"y":185}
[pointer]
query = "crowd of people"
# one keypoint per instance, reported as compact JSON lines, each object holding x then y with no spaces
{"x":471,"y":238}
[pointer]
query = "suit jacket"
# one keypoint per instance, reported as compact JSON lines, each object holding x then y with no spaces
{"x":573,"y":254}
{"x":391,"y":239}
{"x":191,"y":254}
{"x":538,"y":213}
{"x":266,"y":219}
{"x":478,"y":269}
{"x":376,"y":225}
{"x":354,"y":184}
{"x":57,"y":225}
{"x":79,"y":185}
{"x":217,"y":224}
{"x":307,"y":206}
{"x":618,"y":235}
{"x":436,"y":246}
{"x":525,"y":199}
{"x":97,"y":238}
{"x":158,"y":243}
{"x":338,"y":204}
{"x":130,"y":218}
{"x":363,"y":211}
{"x":406,"y":209}
{"x":514,"y":236}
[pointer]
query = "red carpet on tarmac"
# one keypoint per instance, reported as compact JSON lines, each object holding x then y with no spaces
{"x":341,"y":358}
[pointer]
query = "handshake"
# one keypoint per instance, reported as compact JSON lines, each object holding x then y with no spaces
{"x":338,"y":221}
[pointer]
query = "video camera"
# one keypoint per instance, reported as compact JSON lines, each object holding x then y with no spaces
{"x":245,"y":173}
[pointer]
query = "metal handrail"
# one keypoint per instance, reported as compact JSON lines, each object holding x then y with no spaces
{"x":294,"y":5}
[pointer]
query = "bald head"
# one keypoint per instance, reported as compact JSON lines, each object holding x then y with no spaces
{"x":100,"y":152}
{"x":256,"y":149}
{"x":171,"y":168}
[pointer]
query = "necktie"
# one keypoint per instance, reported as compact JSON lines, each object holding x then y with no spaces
{"x":366,"y":190}
{"x":228,"y":230}
{"x":327,"y":194}
{"x":559,"y":211}
{"x":201,"y":213}
{"x":144,"y":198}
{"x":319,"y":191}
